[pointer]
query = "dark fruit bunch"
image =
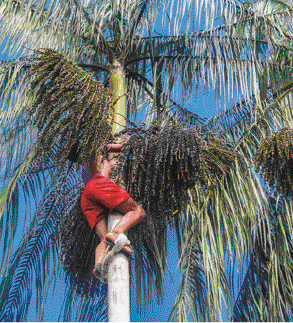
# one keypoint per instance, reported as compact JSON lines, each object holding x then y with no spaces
{"x":274,"y":158}
{"x":78,"y":244}
{"x":159,"y":167}
{"x":217,"y":160}
{"x":70,"y":108}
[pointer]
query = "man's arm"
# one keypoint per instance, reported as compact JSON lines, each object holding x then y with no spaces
{"x":117,"y":147}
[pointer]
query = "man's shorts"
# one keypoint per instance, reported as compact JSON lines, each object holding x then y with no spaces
{"x":101,"y":196}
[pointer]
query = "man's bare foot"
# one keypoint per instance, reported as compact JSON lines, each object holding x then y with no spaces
{"x":112,"y":236}
{"x":99,"y":257}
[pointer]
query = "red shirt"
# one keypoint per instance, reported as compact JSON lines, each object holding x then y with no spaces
{"x":101,"y":194}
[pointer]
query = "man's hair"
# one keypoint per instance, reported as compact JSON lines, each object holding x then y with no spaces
{"x":74,"y":152}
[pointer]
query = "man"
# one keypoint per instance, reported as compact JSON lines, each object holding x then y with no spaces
{"x":100,"y":197}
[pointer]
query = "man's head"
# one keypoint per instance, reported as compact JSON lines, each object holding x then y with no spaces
{"x":74,"y":152}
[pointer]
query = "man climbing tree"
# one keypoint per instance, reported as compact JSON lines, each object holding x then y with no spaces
{"x":68,"y":65}
{"x":101,"y":196}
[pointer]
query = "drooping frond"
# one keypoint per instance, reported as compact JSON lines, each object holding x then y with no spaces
{"x":253,"y":291}
{"x":241,"y":194}
{"x":69,"y":107}
{"x":12,"y":83}
{"x":216,"y":225}
{"x":78,"y":244}
{"x":83,"y":309}
{"x":18,"y":184}
{"x":31,"y":264}
{"x":192,"y":293}
{"x":31,"y":260}
{"x":27,"y":26}
{"x":16,"y":134}
{"x":265,"y":292}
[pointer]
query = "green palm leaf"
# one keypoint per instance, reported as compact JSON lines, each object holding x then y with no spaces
{"x":269,"y":272}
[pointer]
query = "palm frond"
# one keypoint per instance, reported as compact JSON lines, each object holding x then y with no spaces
{"x":264,"y":294}
{"x":192,"y":293}
{"x":238,"y":53}
{"x":27,"y":26}
{"x":30,"y":262}
{"x":12,"y":78}
{"x":83,"y":309}
{"x":247,"y":48}
{"x":27,"y":260}
{"x":9,"y":205}
{"x":252,"y":122}
{"x":221,"y":220}
{"x":214,"y":225}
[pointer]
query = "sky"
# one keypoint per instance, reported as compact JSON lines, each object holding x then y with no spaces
{"x":205,"y":105}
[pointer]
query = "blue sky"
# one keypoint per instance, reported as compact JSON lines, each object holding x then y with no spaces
{"x":205,"y":105}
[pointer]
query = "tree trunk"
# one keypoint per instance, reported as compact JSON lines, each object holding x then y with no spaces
{"x":118,"y":274}
{"x":118,"y":282}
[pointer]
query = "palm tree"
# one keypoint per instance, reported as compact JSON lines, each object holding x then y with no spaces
{"x":245,"y":55}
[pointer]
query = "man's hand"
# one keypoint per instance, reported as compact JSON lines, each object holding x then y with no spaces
{"x":117,"y":146}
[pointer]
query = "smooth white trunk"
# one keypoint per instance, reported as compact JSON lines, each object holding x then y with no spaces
{"x":118,"y":282}
{"x":118,"y":273}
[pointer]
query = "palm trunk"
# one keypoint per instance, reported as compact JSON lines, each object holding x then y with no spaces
{"x":118,"y":274}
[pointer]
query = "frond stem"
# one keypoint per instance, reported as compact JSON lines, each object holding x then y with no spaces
{"x":91,"y":66}
{"x":162,"y":57}
{"x":142,"y":10}
{"x":136,"y":76}
{"x":95,"y":67}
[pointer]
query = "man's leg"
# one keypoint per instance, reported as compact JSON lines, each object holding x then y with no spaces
{"x":101,"y":230}
{"x":133,"y":214}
